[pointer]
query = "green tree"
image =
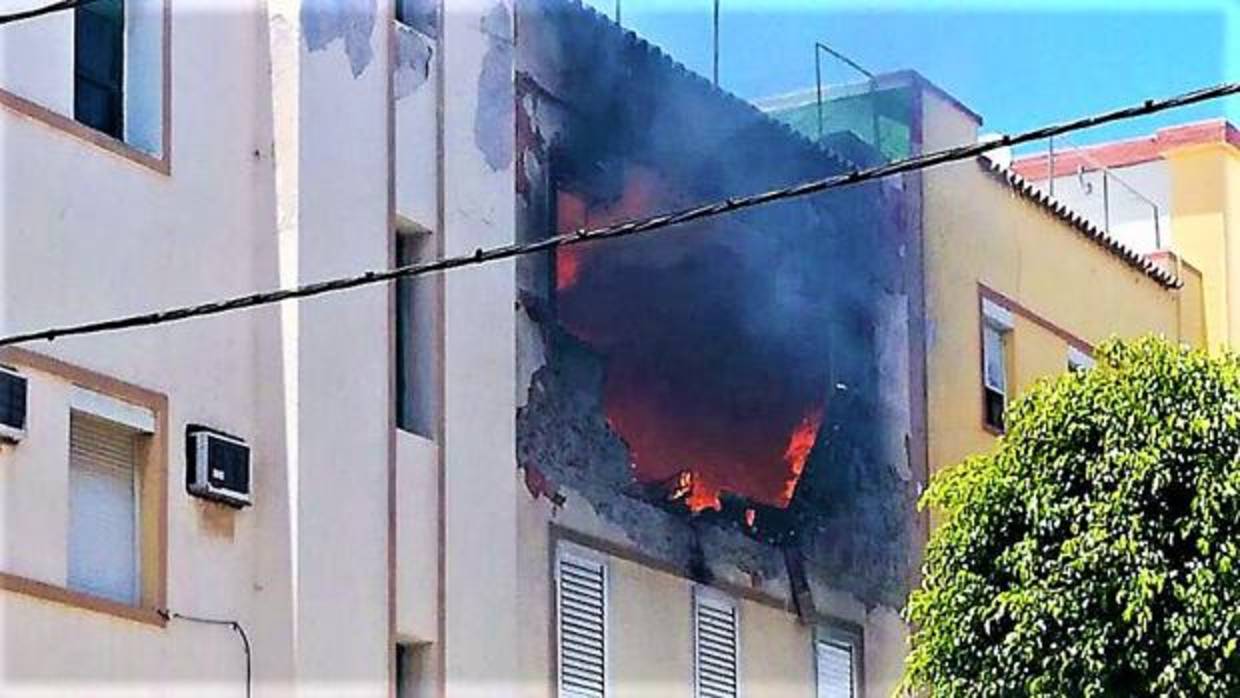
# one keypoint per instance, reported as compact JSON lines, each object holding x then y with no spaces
{"x":1096,"y":550}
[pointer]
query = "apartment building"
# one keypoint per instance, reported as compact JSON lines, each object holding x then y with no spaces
{"x":160,"y":153}
{"x":675,"y":465}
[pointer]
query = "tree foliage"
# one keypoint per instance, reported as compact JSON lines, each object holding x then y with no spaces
{"x":1096,"y":550}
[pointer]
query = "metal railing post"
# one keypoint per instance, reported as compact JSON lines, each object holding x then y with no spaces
{"x":819,"y":47}
{"x":818,"y":85}
{"x":1050,"y":150}
{"x":1106,"y":204}
{"x":1157,"y":228}
{"x":716,"y":43}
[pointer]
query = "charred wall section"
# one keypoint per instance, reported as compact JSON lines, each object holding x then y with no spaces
{"x":733,"y":394}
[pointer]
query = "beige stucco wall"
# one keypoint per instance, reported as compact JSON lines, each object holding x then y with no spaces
{"x":41,"y":468}
{"x":37,"y":64}
{"x":479,"y":583}
{"x":417,"y":538}
{"x":36,"y":58}
{"x":268,"y":187}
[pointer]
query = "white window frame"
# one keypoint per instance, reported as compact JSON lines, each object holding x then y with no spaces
{"x":111,"y":409}
{"x":839,"y":637}
{"x":997,"y":319}
{"x":713,"y":598}
{"x":1001,"y":320}
{"x":586,"y":557}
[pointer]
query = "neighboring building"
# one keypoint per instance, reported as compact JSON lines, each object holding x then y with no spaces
{"x":1185,"y":179}
{"x":684,"y":464}
{"x":1019,"y":284}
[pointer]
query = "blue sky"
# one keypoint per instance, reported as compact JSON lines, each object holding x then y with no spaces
{"x":1018,"y":63}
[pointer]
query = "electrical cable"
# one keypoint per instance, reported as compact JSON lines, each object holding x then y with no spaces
{"x":235,"y":625}
{"x":624,"y":229}
{"x":44,"y":10}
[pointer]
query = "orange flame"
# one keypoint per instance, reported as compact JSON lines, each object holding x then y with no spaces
{"x":695,"y":492}
{"x":694,"y":453}
{"x":799,"y":446}
{"x":571,"y":214}
{"x":567,"y":268}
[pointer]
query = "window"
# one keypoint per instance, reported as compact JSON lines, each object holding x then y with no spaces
{"x":107,"y":441}
{"x":416,"y":388}
{"x":99,"y":66}
{"x":1079,"y":360}
{"x":103,"y":508}
{"x":12,"y":403}
{"x":411,"y":670}
{"x":715,"y":643}
{"x":835,"y":664}
{"x":422,"y":15}
{"x":581,"y":610}
{"x":996,"y":333}
{"x":99,"y":73}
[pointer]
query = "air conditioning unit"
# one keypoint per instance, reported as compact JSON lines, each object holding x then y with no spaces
{"x":217,"y":467}
{"x":12,"y":405}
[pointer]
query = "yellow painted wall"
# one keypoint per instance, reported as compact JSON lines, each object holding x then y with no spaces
{"x":652,"y":631}
{"x":1192,"y":304}
{"x":1205,"y":210}
{"x":981,"y":231}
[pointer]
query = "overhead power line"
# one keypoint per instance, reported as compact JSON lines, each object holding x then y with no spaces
{"x":625,"y":229}
{"x":44,"y":10}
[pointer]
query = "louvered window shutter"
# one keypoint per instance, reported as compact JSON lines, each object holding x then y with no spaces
{"x":103,"y":538}
{"x":835,"y":669}
{"x":581,"y":602}
{"x":715,"y":639}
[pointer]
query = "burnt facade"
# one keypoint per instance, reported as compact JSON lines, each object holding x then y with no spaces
{"x":734,"y":394}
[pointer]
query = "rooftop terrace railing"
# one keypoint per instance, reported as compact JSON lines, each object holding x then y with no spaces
{"x":1108,"y":179}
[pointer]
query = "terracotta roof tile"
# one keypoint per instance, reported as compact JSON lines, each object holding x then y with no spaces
{"x":1128,"y":152}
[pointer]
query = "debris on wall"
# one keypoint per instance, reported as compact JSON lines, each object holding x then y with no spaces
{"x":350,"y":21}
{"x":414,"y":53}
{"x":493,"y":130}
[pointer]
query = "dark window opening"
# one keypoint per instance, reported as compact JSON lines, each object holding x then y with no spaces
{"x":996,"y":331}
{"x":994,"y":409}
{"x":415,"y":332}
{"x":12,"y":400}
{"x":413,"y":676}
{"x":422,"y":15}
{"x":99,"y":66}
